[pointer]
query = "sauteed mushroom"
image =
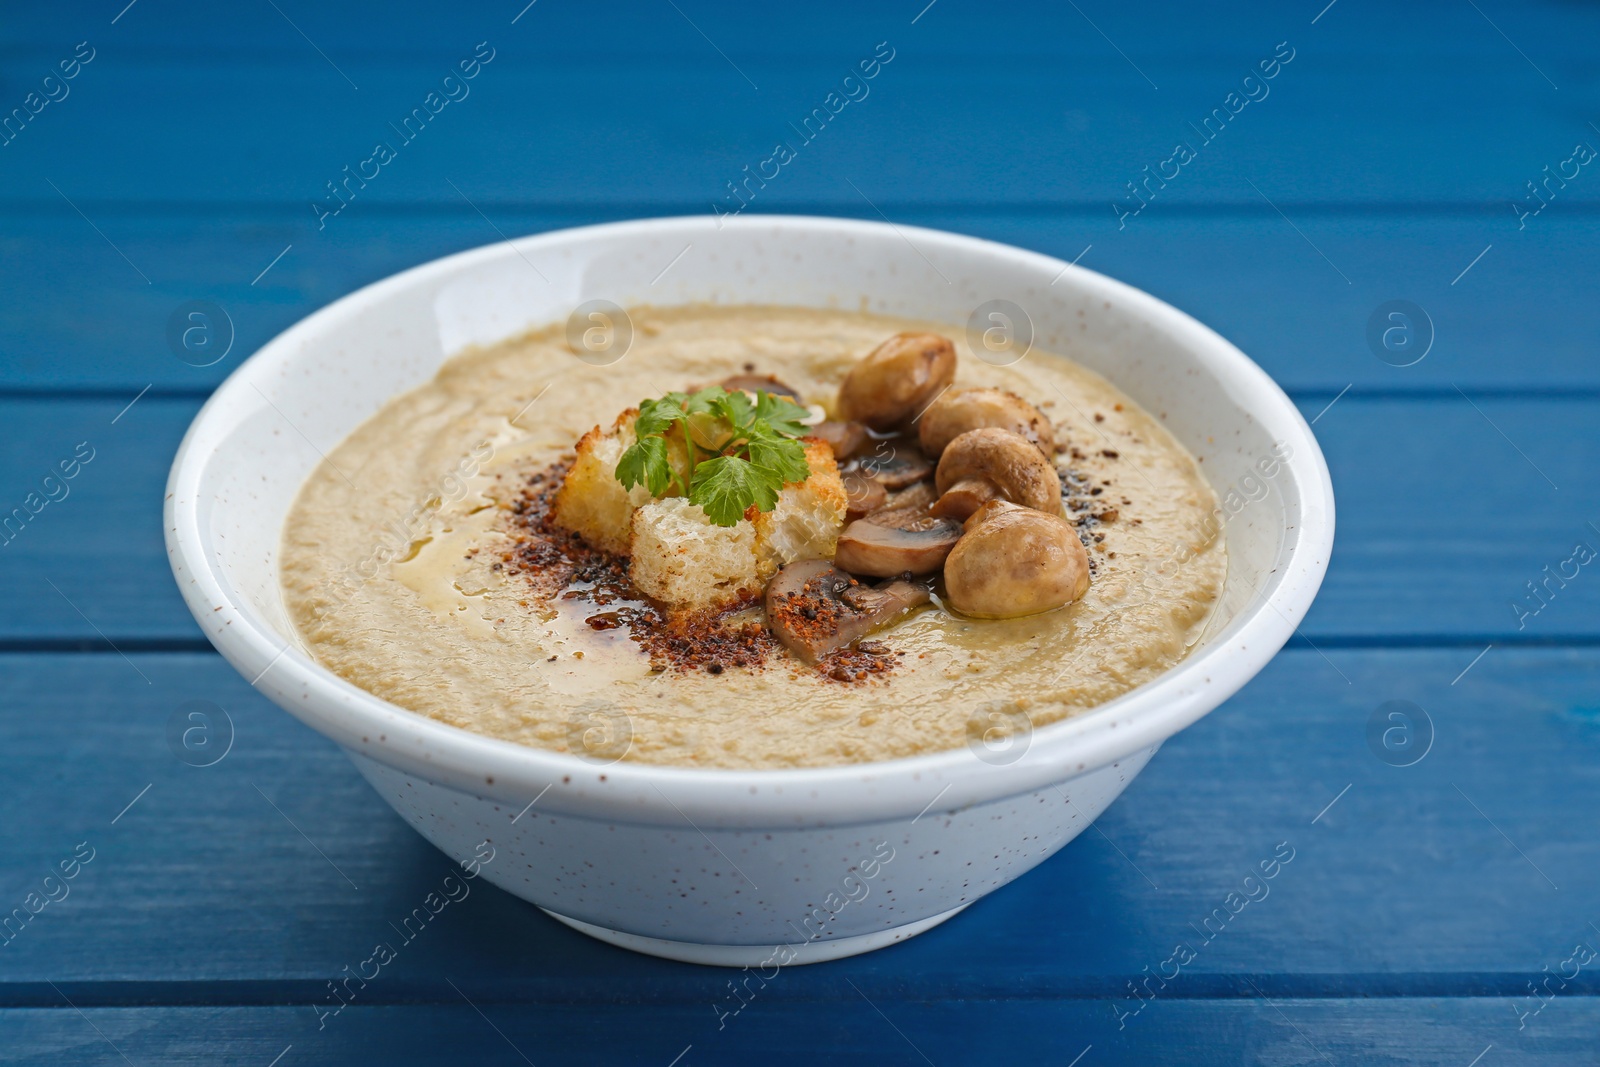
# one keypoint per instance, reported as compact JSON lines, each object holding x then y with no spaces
{"x":759,"y":383}
{"x":845,"y":438}
{"x":1013,"y":561}
{"x":815,"y":609}
{"x":895,"y":464}
{"x":958,"y":410}
{"x":896,"y":380}
{"x":862,"y":495}
{"x":988,"y":464}
{"x":917,"y":495}
{"x":896,"y":541}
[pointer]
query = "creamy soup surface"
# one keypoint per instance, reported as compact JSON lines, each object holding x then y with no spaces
{"x":395,"y":562}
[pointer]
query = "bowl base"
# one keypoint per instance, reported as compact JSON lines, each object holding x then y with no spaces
{"x":754,"y":955}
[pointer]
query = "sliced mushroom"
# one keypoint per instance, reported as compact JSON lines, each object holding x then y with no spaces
{"x":919,"y":495}
{"x":958,"y":410}
{"x":896,"y":380}
{"x":815,"y":608}
{"x":989,"y":464}
{"x":1014,"y":561}
{"x":895,"y":463}
{"x":862,"y":495}
{"x":896,"y":541}
{"x":759,"y":383}
{"x":845,"y":438}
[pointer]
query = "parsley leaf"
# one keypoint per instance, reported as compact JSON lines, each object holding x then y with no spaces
{"x":706,"y":400}
{"x":750,"y":449}
{"x":784,"y":457}
{"x":657,"y":416}
{"x":646,"y":461}
{"x":727,"y":485}
{"x":781,"y":414}
{"x":735,"y":408}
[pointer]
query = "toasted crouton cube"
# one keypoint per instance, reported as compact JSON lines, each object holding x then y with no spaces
{"x":591,"y":502}
{"x":682,"y":558}
{"x":806,"y":522}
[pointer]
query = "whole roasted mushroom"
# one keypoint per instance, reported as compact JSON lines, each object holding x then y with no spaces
{"x":958,"y":410}
{"x":994,"y":464}
{"x":1013,"y":561}
{"x":896,"y":380}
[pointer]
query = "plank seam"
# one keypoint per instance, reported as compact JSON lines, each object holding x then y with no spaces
{"x":32,"y":209}
{"x":300,"y":992}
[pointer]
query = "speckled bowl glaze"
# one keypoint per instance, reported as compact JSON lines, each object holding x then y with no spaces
{"x":741,"y":868}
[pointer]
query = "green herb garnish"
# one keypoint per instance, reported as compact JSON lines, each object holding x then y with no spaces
{"x":734,"y":453}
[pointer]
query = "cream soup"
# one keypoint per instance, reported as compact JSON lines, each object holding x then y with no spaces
{"x":411,"y":559}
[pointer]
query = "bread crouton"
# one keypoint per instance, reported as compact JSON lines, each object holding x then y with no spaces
{"x":682,"y":558}
{"x":679,"y":556}
{"x":806,"y":522}
{"x":591,"y":502}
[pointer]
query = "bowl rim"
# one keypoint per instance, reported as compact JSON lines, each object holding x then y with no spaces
{"x":667,"y":794}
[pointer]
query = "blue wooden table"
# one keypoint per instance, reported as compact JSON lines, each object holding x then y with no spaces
{"x":1443,"y":902}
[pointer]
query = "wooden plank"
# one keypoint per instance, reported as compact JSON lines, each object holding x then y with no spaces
{"x":1423,"y":900}
{"x":90,"y":566}
{"x":1251,"y":276}
{"x":593,"y":128}
{"x":1550,"y":31}
{"x":846,"y":1029}
{"x":1430,"y":491}
{"x":1436,"y":879}
{"x":1449,"y":510}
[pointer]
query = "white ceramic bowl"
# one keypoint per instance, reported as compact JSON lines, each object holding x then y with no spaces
{"x":723,"y":866}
